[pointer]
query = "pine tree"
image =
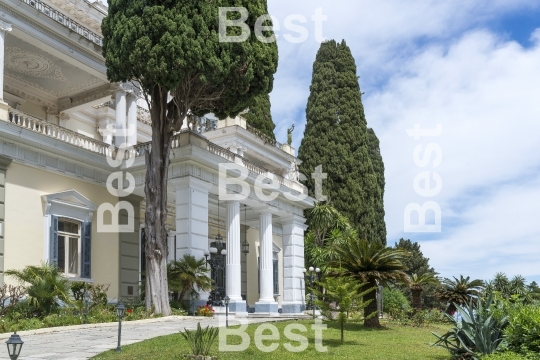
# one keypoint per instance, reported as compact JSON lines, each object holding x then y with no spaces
{"x":260,"y":116}
{"x":337,"y":137}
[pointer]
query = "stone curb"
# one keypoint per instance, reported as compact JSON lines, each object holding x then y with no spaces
{"x":97,"y":325}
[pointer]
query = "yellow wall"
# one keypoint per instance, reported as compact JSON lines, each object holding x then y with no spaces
{"x":24,"y":223}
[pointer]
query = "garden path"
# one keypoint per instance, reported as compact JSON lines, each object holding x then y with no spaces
{"x":84,"y":341}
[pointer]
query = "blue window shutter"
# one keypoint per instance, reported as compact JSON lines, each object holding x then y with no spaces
{"x":53,"y":241}
{"x":86,"y":249}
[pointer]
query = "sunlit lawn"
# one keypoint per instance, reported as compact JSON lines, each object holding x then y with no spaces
{"x":389,"y":343}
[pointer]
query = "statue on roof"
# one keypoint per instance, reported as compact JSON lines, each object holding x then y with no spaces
{"x":289,"y":135}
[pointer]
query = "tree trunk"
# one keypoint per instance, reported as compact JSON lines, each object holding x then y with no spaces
{"x":157,"y":168}
{"x":373,"y":321}
{"x":416,"y":299}
{"x":342,"y":326}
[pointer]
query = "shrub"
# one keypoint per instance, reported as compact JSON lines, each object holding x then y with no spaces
{"x":205,"y":310}
{"x":523,"y":332}
{"x":395,"y":303}
{"x":508,"y":355}
{"x":47,"y":288}
{"x":98,"y":292}
{"x":200,"y":341}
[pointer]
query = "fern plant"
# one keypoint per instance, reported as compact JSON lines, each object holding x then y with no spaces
{"x":200,"y":341}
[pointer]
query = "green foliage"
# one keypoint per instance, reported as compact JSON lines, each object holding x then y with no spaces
{"x":175,"y":45}
{"x":417,"y":284}
{"x":46,"y":286}
{"x":523,"y":332}
{"x":507,"y":355}
{"x":416,"y":263}
{"x":97,"y":292}
{"x":187,"y":274}
{"x":341,"y":300}
{"x":327,"y":229}
{"x":477,"y":333}
{"x":371,"y":263}
{"x":200,"y":341}
{"x":395,"y":303}
{"x":337,"y":137}
{"x":260,"y":116}
{"x":515,"y":288}
{"x":459,"y":291}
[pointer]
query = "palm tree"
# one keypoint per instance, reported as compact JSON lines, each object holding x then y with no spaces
{"x":416,"y":284}
{"x":459,"y":291}
{"x":187,"y":274}
{"x":517,"y":286}
{"x":371,"y":263}
{"x":45,"y":284}
{"x":501,"y":284}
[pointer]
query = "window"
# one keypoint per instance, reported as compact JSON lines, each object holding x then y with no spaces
{"x":68,"y":242}
{"x":69,"y":247}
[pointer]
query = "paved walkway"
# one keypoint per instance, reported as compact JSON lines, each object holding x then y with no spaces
{"x":84,"y":341}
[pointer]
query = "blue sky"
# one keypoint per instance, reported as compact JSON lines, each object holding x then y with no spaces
{"x":474,"y":68}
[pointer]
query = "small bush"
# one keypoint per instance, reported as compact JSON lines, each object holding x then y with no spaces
{"x":205,"y":310}
{"x":523,"y":332}
{"x":504,"y":356}
{"x":200,"y":341}
{"x":395,"y":303}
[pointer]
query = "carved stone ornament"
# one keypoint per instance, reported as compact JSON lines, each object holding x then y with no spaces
{"x":4,"y":26}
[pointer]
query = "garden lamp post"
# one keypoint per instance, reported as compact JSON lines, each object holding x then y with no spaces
{"x":226,"y":310}
{"x":120,"y":312}
{"x":216,"y":260}
{"x":193,"y":297}
{"x":86,"y":302}
{"x":312,"y":273}
{"x":14,"y":345}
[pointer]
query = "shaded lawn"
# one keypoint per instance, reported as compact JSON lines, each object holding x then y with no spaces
{"x":389,"y":343}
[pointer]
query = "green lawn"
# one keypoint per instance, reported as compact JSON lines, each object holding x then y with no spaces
{"x":389,"y":343}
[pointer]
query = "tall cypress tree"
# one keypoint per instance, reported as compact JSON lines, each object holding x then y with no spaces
{"x":260,"y":116}
{"x":337,"y":137}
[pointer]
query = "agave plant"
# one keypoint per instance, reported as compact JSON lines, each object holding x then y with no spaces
{"x":476,"y":333}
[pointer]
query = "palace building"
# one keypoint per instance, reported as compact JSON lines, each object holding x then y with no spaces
{"x":60,"y":118}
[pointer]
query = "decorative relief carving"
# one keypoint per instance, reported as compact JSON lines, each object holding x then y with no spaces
{"x":29,"y":63}
{"x":4,"y":26}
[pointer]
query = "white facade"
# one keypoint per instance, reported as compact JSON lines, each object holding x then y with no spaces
{"x":60,"y":118}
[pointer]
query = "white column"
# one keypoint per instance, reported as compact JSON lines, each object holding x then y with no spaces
{"x":170,"y":246}
{"x":120,"y":116}
{"x":132,"y":119}
{"x":233,"y":269}
{"x":192,"y":220}
{"x":293,"y":264}
{"x":4,"y":27}
{"x":266,"y":303}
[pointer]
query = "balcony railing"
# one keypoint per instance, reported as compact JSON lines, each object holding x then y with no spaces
{"x":57,"y":132}
{"x":64,"y":20}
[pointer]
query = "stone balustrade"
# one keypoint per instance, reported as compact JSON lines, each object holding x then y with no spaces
{"x":57,"y":132}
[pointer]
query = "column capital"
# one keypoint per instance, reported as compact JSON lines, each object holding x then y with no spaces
{"x":5,"y":27}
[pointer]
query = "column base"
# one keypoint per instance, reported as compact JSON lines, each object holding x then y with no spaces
{"x":4,"y":113}
{"x":293,"y":308}
{"x":238,"y":307}
{"x":266,"y":307}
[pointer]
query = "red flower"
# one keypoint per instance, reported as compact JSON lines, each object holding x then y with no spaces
{"x":129,"y":311}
